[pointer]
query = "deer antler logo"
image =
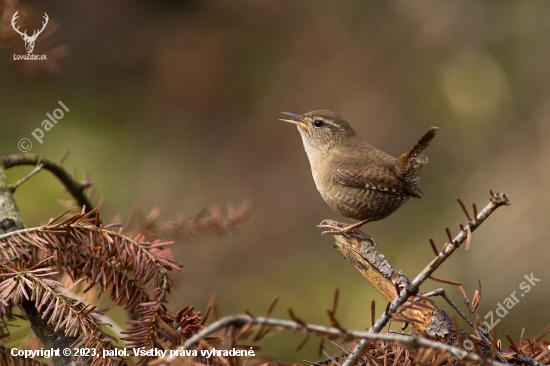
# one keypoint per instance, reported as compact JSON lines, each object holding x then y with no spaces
{"x":29,"y":41}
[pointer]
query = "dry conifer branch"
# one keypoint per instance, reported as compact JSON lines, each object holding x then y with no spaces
{"x":150,"y":314}
{"x":54,"y":308}
{"x":113,"y":261}
{"x":412,"y":288}
{"x":184,"y":228}
{"x":238,"y":322}
{"x":75,"y":188}
{"x":133,"y":271}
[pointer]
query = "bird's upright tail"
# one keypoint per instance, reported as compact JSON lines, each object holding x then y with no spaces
{"x":410,"y":163}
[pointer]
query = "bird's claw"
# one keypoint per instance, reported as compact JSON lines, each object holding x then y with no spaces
{"x":330,"y":223}
{"x":338,"y":228}
{"x":334,"y":232}
{"x":371,"y":239}
{"x":333,"y":226}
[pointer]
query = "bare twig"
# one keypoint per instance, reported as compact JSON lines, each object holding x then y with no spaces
{"x":441,"y":292}
{"x":75,"y":188}
{"x":413,"y":288}
{"x":239,"y":321}
{"x":14,"y":186}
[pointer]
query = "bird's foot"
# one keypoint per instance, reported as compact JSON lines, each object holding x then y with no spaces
{"x":352,"y":230}
{"x":334,"y":227}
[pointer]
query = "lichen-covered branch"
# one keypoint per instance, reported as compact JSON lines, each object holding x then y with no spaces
{"x":10,"y":218}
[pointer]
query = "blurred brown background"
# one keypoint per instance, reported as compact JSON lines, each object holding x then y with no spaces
{"x":176,"y":104}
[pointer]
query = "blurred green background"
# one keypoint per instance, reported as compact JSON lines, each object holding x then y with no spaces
{"x":176,"y":104}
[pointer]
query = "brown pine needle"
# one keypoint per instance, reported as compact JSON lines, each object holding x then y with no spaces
{"x":271,"y":307}
{"x":335,"y":301}
{"x":372,"y":312}
{"x":494,"y":342}
{"x":521,"y":336}
{"x":206,"y":314}
{"x":64,"y":157}
{"x":445,"y":281}
{"x":449,"y":234}
{"x":432,"y":244}
{"x":463,"y":293}
{"x":464,"y":208}
{"x":468,"y":237}
{"x":304,"y":341}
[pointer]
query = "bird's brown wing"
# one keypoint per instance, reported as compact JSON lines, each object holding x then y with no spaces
{"x":379,"y":178}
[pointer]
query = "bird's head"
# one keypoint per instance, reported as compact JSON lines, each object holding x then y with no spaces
{"x":320,"y":129}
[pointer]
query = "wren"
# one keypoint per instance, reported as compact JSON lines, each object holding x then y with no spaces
{"x":354,"y":178}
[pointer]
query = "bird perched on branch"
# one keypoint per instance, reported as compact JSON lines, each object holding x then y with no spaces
{"x":354,"y":178}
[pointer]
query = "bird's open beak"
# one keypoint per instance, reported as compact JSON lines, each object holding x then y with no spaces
{"x":298,"y":123}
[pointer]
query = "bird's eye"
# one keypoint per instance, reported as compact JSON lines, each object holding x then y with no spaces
{"x":318,"y":123}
